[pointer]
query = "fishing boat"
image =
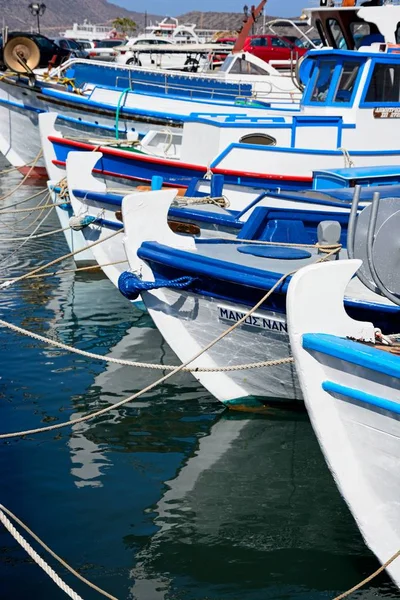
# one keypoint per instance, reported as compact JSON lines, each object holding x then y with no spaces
{"x":350,"y":378}
{"x":194,"y":289}
{"x":208,"y":207}
{"x":347,"y":116}
{"x":109,"y":100}
{"x":97,"y":99}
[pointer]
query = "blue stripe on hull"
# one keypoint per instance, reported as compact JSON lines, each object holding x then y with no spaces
{"x":354,"y":352}
{"x":370,"y":400}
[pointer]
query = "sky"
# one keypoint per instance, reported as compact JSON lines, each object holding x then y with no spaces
{"x":278,"y":8}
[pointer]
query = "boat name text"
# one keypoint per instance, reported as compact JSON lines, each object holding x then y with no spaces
{"x":261,"y":322}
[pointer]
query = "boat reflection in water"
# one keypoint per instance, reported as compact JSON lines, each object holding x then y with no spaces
{"x":253,"y":509}
{"x":92,"y":302}
{"x":194,"y":501}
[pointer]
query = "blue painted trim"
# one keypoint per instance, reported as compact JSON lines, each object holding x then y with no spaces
{"x":209,"y":267}
{"x":347,"y":173}
{"x":81,"y":101}
{"x":381,"y":59}
{"x":109,"y":224}
{"x":311,"y":152}
{"x":359,"y":396}
{"x":101,"y":197}
{"x":27,"y":107}
{"x":77,"y":121}
{"x":354,"y":353}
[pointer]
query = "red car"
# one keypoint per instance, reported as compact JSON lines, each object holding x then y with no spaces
{"x":271,"y":47}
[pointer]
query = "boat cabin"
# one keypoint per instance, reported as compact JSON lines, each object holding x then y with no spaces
{"x":344,"y":79}
{"x":349,"y":28}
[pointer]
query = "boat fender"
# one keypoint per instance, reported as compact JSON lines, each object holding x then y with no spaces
{"x":78,"y":223}
{"x":130,"y":285}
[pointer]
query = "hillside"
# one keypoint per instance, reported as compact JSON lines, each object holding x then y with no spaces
{"x":60,"y":15}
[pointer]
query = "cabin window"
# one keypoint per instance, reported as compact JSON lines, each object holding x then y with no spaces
{"x":260,"y":139}
{"x":359,"y":31}
{"x":346,"y":85}
{"x":324,"y":78}
{"x":321,"y":32}
{"x":384,"y":86}
{"x":242,"y":66}
{"x":337,"y":34}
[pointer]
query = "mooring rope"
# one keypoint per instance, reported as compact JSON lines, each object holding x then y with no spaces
{"x":16,"y":222}
{"x":48,"y":570}
{"x":14,"y":252}
{"x":369,"y":578}
{"x":38,"y":559}
{"x":24,"y":179}
{"x":59,"y":259}
{"x":42,"y":191}
{"x":141,"y":365}
{"x":151,"y":386}
{"x":67,"y":271}
{"x":35,"y":237}
{"x":33,"y":208}
{"x":12,"y":169}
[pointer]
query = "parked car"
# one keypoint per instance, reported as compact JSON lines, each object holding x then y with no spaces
{"x":219,"y":58}
{"x":304,"y":43}
{"x":104,"y":49}
{"x":48,"y":49}
{"x":75,"y":48}
{"x":271,"y":47}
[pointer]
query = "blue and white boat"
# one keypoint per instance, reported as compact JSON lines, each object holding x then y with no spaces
{"x":110,"y":101}
{"x":350,"y":378}
{"x":348,"y":115}
{"x":209,"y":207}
{"x":194,"y":289}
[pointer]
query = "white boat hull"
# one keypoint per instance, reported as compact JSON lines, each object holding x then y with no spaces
{"x":189,"y":322}
{"x":354,"y":404}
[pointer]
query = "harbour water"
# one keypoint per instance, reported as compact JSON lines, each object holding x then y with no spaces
{"x":170,"y":497}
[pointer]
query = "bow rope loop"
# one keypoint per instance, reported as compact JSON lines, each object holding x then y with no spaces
{"x":130,"y":285}
{"x":80,"y":222}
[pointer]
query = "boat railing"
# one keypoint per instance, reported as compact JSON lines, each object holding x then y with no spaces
{"x":290,"y":23}
{"x":193,"y":93}
{"x":168,"y":87}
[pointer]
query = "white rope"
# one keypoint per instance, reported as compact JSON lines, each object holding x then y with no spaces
{"x":44,"y":190}
{"x":38,"y":559}
{"x":62,"y":562}
{"x":347,"y":158}
{"x":176,"y":370}
{"x":10,"y":193}
{"x":59,"y":259}
{"x":34,"y":237}
{"x":33,"y":208}
{"x":140,"y":365}
{"x":7,"y":258}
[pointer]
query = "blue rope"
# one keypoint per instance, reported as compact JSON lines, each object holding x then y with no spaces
{"x":118,"y":111}
{"x":130,"y":285}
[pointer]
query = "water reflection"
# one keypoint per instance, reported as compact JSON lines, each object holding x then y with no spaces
{"x":253,"y":509}
{"x":168,"y":497}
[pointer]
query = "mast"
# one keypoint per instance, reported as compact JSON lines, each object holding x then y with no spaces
{"x":251,"y":19}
